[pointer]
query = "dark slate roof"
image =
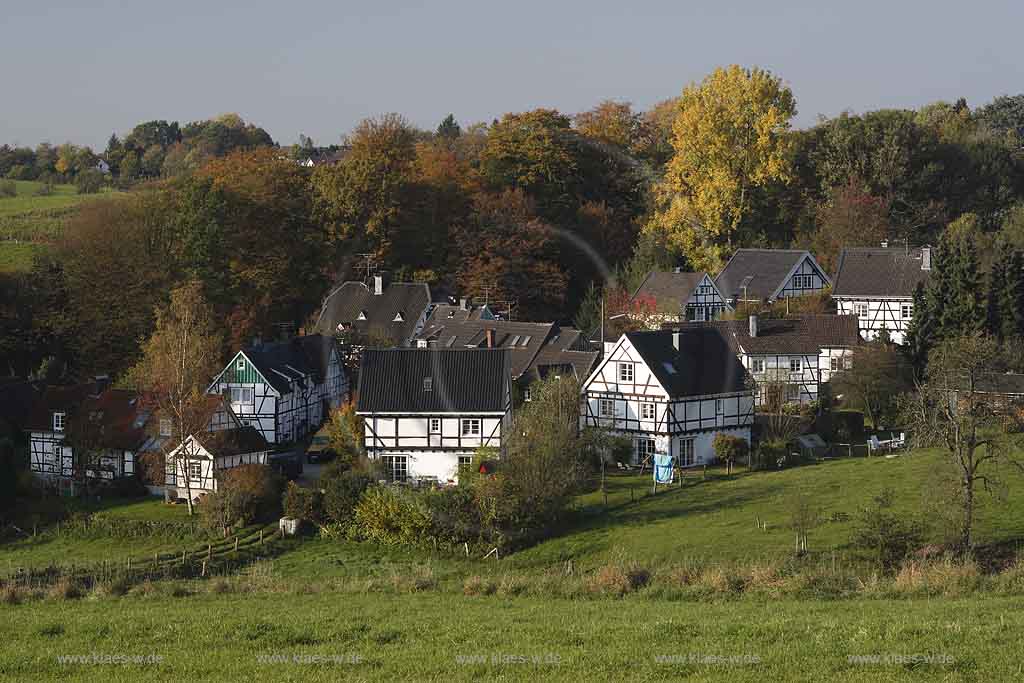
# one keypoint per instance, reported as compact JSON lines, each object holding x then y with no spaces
{"x":343,"y":306}
{"x":703,"y":364}
{"x":878,"y":272}
{"x":766,"y":268}
{"x":461,"y":381}
{"x":295,"y":358}
{"x":669,"y":289}
{"x":452,"y":313}
{"x":237,"y":441}
{"x":17,"y":396}
{"x":566,"y":351}
{"x":523,"y":340}
{"x":806,"y":334}
{"x":120,"y":413}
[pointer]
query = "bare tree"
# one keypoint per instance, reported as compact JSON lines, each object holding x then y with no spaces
{"x":953,"y":409}
{"x":179,"y":362}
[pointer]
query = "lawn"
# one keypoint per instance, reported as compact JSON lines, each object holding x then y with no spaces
{"x":436,"y":636}
{"x":30,"y":222}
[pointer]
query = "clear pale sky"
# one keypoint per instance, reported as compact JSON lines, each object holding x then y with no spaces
{"x":318,"y":67}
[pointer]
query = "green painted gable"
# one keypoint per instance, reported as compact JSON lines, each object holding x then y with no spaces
{"x":248,"y":374}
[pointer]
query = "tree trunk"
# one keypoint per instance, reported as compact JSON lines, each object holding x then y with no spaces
{"x":968,"y":511}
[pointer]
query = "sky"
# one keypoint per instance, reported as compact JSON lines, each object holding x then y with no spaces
{"x":76,"y":73}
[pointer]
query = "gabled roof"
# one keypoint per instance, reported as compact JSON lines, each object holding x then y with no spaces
{"x":121,"y":417}
{"x":879,"y":272}
{"x":236,"y":441}
{"x":757,"y":274}
{"x":460,"y":381}
{"x":806,"y":334}
{"x":283,"y":361}
{"x":669,"y":289}
{"x":566,"y":351}
{"x":523,"y":340}
{"x":342,"y":308}
{"x":701,"y":365}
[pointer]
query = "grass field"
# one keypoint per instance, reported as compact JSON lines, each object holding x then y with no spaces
{"x":29,"y":222}
{"x":431,"y":636}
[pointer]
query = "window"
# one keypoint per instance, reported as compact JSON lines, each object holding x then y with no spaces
{"x":195,"y":471}
{"x":686,"y":452}
{"x":421,"y":343}
{"x":399,"y":317}
{"x":861,"y":310}
{"x":847,"y":362}
{"x":646,"y":411}
{"x":704,"y":289}
{"x":719,"y":406}
{"x":58,"y":422}
{"x":833,"y":364}
{"x":361,"y":316}
{"x":465,"y":461}
{"x":428,"y":384}
{"x":803,"y":282}
{"x":607,"y":407}
{"x":644,"y":449}
{"x":757,"y":365}
{"x":471,"y":427}
{"x":794,"y":365}
{"x":792,"y":392}
{"x":907,"y":311}
{"x":165,"y":426}
{"x":527,"y":396}
{"x":396,"y":467}
{"x":241,"y":394}
{"x":435,"y":425}
{"x":240,"y":365}
{"x":625,"y":372}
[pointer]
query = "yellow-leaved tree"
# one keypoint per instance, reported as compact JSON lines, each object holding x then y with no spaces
{"x":731,"y":136}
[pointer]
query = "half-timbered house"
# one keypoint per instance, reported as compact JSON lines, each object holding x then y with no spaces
{"x":671,"y":392}
{"x":427,"y":411}
{"x":209,"y":454}
{"x":794,"y":356}
{"x":766,"y":275}
{"x":107,"y":426}
{"x":677,"y":296}
{"x":284,"y":389}
{"x":877,"y":285}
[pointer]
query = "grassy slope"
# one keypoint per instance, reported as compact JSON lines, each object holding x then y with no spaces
{"x":420,"y":637}
{"x":34,"y":221}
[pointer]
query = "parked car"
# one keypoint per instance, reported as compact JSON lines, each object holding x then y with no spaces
{"x":319,"y":448}
{"x":287,"y":463}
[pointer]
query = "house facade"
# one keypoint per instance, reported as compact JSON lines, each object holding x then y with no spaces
{"x":110,"y":423}
{"x":670,"y":392}
{"x":677,"y":296}
{"x":426,"y":412}
{"x":877,"y":285}
{"x":284,"y":389}
{"x":209,"y":454}
{"x":767,"y":275}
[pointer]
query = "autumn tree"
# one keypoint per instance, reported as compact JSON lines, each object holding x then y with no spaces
{"x":730,"y":139}
{"x":850,"y":218}
{"x":877,"y":375}
{"x":179,"y":360}
{"x":610,"y":122}
{"x":953,"y":410}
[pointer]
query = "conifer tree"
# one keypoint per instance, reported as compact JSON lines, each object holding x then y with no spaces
{"x":1013,"y":296}
{"x":995,"y":299}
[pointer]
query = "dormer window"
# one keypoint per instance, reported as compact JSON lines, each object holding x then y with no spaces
{"x":361,"y":316}
{"x":165,"y":426}
{"x":399,"y":317}
{"x":58,"y":422}
{"x":240,"y":364}
{"x":428,"y":384}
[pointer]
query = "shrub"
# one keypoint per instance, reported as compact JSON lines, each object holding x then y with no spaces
{"x":729,"y":449}
{"x":455,"y":516}
{"x":391,"y":516}
{"x":888,"y":536}
{"x":618,"y":579}
{"x":125,"y":487}
{"x":303,"y":503}
{"x":946,"y":577}
{"x":65,"y":589}
{"x":8,"y":188}
{"x":478,"y":585}
{"x":244,"y":494}
{"x":342,"y":492}
{"x":89,"y":181}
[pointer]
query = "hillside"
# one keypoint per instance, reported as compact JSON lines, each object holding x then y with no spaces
{"x":29,"y":222}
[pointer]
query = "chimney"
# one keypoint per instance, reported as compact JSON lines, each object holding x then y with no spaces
{"x":677,"y":338}
{"x":378,"y":285}
{"x":490,"y":338}
{"x":926,"y":258}
{"x":100,"y":384}
{"x":464,"y":304}
{"x":752,"y":320}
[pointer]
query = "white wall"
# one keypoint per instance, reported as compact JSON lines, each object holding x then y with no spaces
{"x":881,"y":312}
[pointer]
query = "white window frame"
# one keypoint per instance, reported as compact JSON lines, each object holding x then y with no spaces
{"x":195,"y":470}
{"x":906,"y":311}
{"x":648,"y":411}
{"x":757,"y":365}
{"x":527,"y":396}
{"x":642,"y":447}
{"x":470,"y":426}
{"x":687,"y":452}
{"x":834,"y":364}
{"x":626,"y":372}
{"x":240,"y":365}
{"x":166,"y":426}
{"x":434,"y":425}
{"x":795,"y":365}
{"x":58,"y":421}
{"x":396,"y":467}
{"x":464,"y":461}
{"x":603,"y":406}
{"x":861,"y":310}
{"x":241,"y":393}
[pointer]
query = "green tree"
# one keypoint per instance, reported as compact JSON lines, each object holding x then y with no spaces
{"x":449,"y":128}
{"x":731,"y":138}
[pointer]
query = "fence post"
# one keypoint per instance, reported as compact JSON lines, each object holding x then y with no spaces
{"x":261,"y":536}
{"x":236,"y":544}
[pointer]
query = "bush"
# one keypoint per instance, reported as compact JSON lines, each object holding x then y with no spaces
{"x":729,"y":449}
{"x":618,"y":579}
{"x":477,"y":585}
{"x":392,"y":516}
{"x":888,"y":536}
{"x":455,"y":516}
{"x":303,"y":503}
{"x":89,"y":181}
{"x":125,"y":487}
{"x":244,"y":494}
{"x":342,"y":492}
{"x":8,"y":188}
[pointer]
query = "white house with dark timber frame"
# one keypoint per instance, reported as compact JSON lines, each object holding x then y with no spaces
{"x":208,"y":455}
{"x":792,"y":355}
{"x":676,"y":296}
{"x":284,"y":389}
{"x":671,"y":392}
{"x":767,"y":275}
{"x":877,"y":285}
{"x":426,"y":412}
